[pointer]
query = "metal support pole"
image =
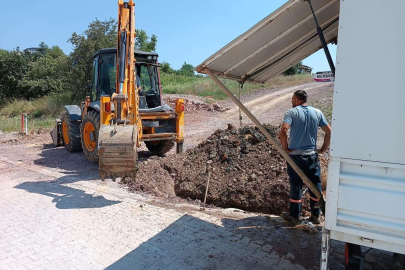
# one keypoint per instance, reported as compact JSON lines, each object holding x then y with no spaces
{"x":272,"y":140}
{"x":240,"y":112}
{"x":322,"y":38}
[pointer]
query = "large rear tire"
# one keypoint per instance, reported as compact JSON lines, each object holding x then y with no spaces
{"x":71,"y":134}
{"x":90,"y":131}
{"x":159,"y":147}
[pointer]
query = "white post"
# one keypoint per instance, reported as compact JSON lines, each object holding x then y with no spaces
{"x":272,"y":140}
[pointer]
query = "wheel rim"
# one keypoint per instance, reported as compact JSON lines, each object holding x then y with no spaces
{"x":89,"y":136}
{"x":65,"y":133}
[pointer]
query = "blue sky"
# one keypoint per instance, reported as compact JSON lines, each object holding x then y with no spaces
{"x":187,"y":31}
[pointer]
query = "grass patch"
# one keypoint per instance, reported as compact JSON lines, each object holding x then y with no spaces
{"x":325,"y":105}
{"x":42,"y":112}
{"x":51,"y":105}
{"x":204,"y":86}
{"x":13,"y":124}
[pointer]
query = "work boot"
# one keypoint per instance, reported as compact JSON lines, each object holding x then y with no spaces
{"x":294,"y":221}
{"x":315,"y":219}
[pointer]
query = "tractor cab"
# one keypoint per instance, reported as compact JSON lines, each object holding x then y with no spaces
{"x":147,"y":76}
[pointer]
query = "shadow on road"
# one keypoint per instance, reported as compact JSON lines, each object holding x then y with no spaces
{"x":191,"y":243}
{"x":66,"y":197}
{"x":72,"y":164}
{"x":76,"y":168}
{"x":304,"y":248}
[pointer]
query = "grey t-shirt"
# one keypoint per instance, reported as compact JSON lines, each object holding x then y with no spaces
{"x":304,"y":122}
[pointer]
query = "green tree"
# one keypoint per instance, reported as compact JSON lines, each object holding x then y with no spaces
{"x":292,"y":70}
{"x":13,"y":66}
{"x":144,"y":43}
{"x":50,"y":73}
{"x":99,"y":35}
{"x":187,"y":69}
{"x":166,"y":68}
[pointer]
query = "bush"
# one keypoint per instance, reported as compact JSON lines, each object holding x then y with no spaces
{"x":51,"y":105}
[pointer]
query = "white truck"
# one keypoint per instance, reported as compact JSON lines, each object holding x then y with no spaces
{"x":365,"y":198}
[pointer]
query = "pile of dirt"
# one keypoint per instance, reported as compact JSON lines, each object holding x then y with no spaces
{"x":192,"y":106}
{"x":152,"y":178}
{"x":246,"y":172}
{"x":16,"y":138}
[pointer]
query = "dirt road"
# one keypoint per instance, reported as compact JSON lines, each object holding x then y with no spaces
{"x":268,"y":106}
{"x":56,"y":213}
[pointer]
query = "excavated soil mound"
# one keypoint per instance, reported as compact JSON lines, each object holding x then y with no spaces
{"x":193,"y":106}
{"x":245,"y":172}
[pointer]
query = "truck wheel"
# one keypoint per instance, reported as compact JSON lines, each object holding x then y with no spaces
{"x":354,"y":260}
{"x":71,"y":134}
{"x":90,"y":129}
{"x":159,"y":147}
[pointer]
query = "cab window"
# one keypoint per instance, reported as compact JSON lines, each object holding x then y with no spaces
{"x":107,"y":73}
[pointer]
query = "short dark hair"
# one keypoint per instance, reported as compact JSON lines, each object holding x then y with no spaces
{"x":301,"y":95}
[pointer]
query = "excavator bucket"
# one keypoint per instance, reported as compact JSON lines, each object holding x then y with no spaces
{"x":117,"y":151}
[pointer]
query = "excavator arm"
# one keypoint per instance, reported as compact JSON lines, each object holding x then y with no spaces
{"x":121,"y":130}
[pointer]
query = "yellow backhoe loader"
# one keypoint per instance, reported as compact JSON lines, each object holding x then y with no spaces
{"x":124,"y":109}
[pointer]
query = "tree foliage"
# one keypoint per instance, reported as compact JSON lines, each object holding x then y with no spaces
{"x":144,"y":43}
{"x":292,"y":70}
{"x":166,"y":68}
{"x":99,"y":35}
{"x":187,"y":69}
{"x":50,"y":73}
{"x":28,"y":75}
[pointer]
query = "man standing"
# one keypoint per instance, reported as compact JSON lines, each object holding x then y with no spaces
{"x":301,"y":146}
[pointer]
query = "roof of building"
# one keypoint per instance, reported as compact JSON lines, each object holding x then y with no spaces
{"x":276,"y":43}
{"x":304,"y":67}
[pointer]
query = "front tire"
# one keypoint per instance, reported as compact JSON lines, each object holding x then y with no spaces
{"x":71,"y":134}
{"x":90,"y":131}
{"x":160,"y":147}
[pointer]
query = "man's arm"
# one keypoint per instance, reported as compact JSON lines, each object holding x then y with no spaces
{"x":283,"y":136}
{"x":326,"y":140}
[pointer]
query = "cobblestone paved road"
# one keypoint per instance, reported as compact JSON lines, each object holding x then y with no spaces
{"x":54,"y":221}
{"x":56,"y":214}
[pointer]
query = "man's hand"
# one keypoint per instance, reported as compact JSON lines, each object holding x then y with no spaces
{"x":326,"y":140}
{"x":283,"y":136}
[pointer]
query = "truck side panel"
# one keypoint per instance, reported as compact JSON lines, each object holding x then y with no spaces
{"x":365,"y":200}
{"x":368,"y":107}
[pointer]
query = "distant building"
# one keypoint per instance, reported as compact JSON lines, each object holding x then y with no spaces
{"x":31,"y":50}
{"x":304,"y":69}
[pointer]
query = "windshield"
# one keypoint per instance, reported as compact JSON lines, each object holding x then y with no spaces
{"x":107,"y":72}
{"x":143,"y":75}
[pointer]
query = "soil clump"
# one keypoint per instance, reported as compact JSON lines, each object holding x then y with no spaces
{"x":192,"y":106}
{"x":246,"y":172}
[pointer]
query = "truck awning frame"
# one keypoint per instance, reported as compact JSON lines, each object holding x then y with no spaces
{"x":276,"y":43}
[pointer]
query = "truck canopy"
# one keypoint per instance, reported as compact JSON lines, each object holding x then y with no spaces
{"x":276,"y":43}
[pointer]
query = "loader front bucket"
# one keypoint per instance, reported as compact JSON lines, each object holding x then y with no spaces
{"x":117,"y":151}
